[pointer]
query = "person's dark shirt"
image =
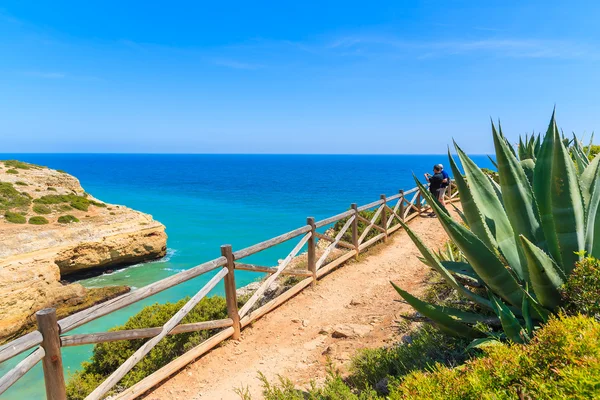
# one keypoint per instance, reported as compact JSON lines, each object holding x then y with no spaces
{"x":435,"y":181}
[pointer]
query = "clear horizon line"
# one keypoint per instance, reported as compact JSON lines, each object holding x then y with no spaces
{"x":241,"y":154}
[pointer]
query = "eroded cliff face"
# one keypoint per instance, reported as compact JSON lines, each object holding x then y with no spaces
{"x":34,"y":258}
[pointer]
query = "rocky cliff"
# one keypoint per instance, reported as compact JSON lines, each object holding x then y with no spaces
{"x":50,"y":228}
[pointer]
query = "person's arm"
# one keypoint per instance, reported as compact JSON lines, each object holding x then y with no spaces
{"x":427,"y":176}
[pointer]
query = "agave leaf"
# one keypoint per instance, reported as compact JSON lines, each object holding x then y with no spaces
{"x":526,"y":314}
{"x":589,"y":151}
{"x":590,"y":188}
{"x":519,"y":202}
{"x":461,"y":268}
{"x":542,"y":188}
{"x":474,"y":218}
{"x":493,"y":162}
{"x":528,"y":166}
{"x":567,"y":207}
{"x":483,"y":260}
{"x":460,"y":214}
{"x":522,"y":150}
{"x":445,"y":322}
{"x":510,"y":324}
{"x":537,"y":145}
{"x":545,"y":275}
{"x":492,"y":210}
{"x":434,"y":263}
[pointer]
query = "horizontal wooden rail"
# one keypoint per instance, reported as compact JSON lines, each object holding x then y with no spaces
{"x":370,"y":205}
{"x":269,"y":270}
{"x":335,"y":218}
{"x":17,"y":346}
{"x":21,"y":369}
{"x":92,"y":313}
{"x":248,"y":251}
{"x":330,"y":239}
{"x":132,"y":334}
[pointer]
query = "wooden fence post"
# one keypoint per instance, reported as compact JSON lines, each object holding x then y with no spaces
{"x":54,"y":377}
{"x":312,"y":250}
{"x":230,"y":291}
{"x":401,"y":208}
{"x":354,"y":206}
{"x":383,"y":222}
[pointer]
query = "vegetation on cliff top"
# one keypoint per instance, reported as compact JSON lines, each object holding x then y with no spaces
{"x":67,"y":219}
{"x":14,"y":218}
{"x":11,"y":198}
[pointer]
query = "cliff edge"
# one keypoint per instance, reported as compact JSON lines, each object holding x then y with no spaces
{"x":50,"y":228}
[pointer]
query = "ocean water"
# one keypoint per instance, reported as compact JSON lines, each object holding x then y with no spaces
{"x":209,"y":200}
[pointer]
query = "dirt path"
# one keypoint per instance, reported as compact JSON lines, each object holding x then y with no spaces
{"x":296,"y":339}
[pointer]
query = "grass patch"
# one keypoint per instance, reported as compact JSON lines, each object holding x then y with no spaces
{"x":52,"y":189}
{"x":14,"y":218}
{"x":21,"y":183}
{"x":12,"y":171}
{"x":41,"y":209}
{"x":74,"y":201}
{"x":38,"y":220}
{"x":17,"y":164}
{"x":11,"y":198}
{"x":67,"y":219}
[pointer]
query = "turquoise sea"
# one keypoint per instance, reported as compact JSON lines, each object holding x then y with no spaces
{"x":209,"y":200}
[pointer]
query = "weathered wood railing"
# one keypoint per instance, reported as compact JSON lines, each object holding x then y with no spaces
{"x":50,"y":336}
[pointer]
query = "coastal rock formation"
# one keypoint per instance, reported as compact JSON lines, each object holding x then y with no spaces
{"x":50,"y":228}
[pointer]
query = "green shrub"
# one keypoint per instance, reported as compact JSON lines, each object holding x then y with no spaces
{"x":67,"y":219}
{"x":41,"y":209}
{"x":561,"y":362}
{"x":14,"y":218}
{"x":77,"y":202}
{"x":11,"y":198}
{"x":17,"y":164}
{"x":593,"y":151}
{"x":64,"y":207}
{"x":50,"y":188}
{"x":581,"y":293}
{"x":107,"y":357}
{"x":21,"y":183}
{"x":38,"y":220}
{"x":61,"y":171}
{"x":12,"y":171}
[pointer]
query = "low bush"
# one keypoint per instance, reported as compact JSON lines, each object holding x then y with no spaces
{"x":64,"y":207}
{"x":562,"y":361}
{"x":12,"y":171}
{"x":11,"y":198}
{"x":38,"y":220}
{"x":77,"y":202}
{"x":52,"y":189}
{"x":581,"y":293}
{"x":107,"y":357}
{"x":593,"y":151}
{"x":14,"y":218}
{"x":41,"y":209}
{"x":67,"y":219}
{"x":17,"y":164}
{"x":21,"y":183}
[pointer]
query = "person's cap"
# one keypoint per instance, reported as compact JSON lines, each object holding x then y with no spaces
{"x":440,"y":166}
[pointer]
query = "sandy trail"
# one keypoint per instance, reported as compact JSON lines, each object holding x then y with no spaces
{"x":290,"y":340}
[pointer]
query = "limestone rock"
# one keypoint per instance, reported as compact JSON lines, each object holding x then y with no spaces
{"x":34,"y":258}
{"x":350,"y":331}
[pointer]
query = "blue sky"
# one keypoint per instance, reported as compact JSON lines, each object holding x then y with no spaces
{"x":292,"y":77}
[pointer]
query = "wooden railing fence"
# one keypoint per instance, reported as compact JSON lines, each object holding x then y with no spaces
{"x":50,"y":336}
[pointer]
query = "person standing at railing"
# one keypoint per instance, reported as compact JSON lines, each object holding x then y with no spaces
{"x":445,"y":183}
{"x":435,"y":185}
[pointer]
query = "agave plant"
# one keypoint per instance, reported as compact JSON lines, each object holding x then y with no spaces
{"x":520,"y":239}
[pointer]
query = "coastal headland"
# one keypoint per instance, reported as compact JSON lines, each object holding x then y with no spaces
{"x":50,"y":230}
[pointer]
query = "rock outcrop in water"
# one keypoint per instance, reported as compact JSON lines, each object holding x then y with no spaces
{"x":50,"y":228}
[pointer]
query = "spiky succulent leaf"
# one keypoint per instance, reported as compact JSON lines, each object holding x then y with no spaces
{"x":483,"y":261}
{"x":542,"y":188}
{"x":434,"y":263}
{"x":510,"y":324}
{"x":492,"y":210}
{"x":567,"y":206}
{"x":493,"y":162}
{"x":525,"y":311}
{"x":445,"y":322}
{"x":545,"y":275}
{"x":474,"y":217}
{"x":528,"y":166}
{"x":590,"y":189}
{"x":460,"y":268}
